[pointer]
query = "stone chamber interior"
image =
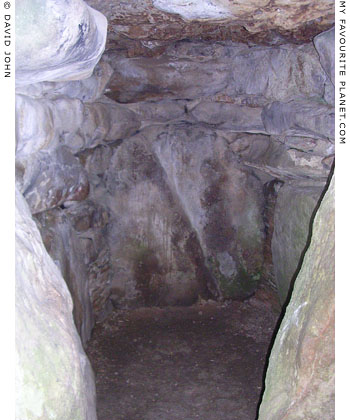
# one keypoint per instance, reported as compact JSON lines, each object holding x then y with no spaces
{"x":175,"y":210}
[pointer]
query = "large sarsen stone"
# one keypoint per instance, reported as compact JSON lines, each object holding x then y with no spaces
{"x":54,"y":379}
{"x":57,"y":40}
{"x":300,"y":376}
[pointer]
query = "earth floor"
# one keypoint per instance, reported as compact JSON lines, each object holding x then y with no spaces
{"x":183,"y":363}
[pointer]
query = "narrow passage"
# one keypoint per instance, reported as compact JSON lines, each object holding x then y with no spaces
{"x":183,"y":363}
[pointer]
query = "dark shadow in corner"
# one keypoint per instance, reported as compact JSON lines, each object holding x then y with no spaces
{"x":284,"y":307}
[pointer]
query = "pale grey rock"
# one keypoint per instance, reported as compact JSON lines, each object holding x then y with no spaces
{"x":230,"y":116}
{"x":69,"y":43}
{"x":300,"y":376}
{"x":51,"y":178}
{"x":277,"y":73}
{"x":160,"y":111}
{"x":293,"y":211}
{"x":202,"y":9}
{"x":315,"y":147}
{"x":300,"y":118}
{"x":51,"y":382}
{"x":290,"y":159}
{"x":325,"y":45}
{"x":87,"y":90}
{"x":75,"y":238}
{"x":35,"y":127}
{"x":329,"y":93}
{"x":45,"y":124}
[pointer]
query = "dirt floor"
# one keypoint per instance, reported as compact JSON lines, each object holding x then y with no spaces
{"x":201,"y":362}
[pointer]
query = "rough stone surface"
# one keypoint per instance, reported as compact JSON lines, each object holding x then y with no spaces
{"x":180,"y":163}
{"x":45,"y":124}
{"x":300,"y":118}
{"x":57,"y":40}
{"x":324,"y":44}
{"x":174,"y":193}
{"x":87,"y":90}
{"x":145,"y":26}
{"x":300,"y":377}
{"x":51,"y":178}
{"x":68,"y":234}
{"x":189,"y":70}
{"x":222,"y":200}
{"x":155,"y":255}
{"x":64,"y":247}
{"x":292,"y":215}
{"x":167,"y":189}
{"x":53,"y":375}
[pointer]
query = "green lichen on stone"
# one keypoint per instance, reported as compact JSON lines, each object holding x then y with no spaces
{"x":47,"y":371}
{"x":238,"y":285}
{"x":249,"y":238}
{"x":146,"y":267}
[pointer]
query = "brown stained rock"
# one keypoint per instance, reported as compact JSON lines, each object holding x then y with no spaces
{"x":300,"y":376}
{"x":184,"y":216}
{"x":155,"y":258}
{"x":226,"y":73}
{"x":138,"y":79}
{"x":260,"y":22}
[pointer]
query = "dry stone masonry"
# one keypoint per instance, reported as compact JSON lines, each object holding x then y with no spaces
{"x":177,"y":155}
{"x":184,"y":162}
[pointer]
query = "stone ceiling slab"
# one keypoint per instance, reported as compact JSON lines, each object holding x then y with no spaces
{"x":145,"y":24}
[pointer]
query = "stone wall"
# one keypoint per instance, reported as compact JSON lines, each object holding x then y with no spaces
{"x":155,"y":168}
{"x":160,"y":185}
{"x":300,"y":377}
{"x":158,"y":174}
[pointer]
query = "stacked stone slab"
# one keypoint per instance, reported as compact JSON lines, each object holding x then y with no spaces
{"x":203,"y":143}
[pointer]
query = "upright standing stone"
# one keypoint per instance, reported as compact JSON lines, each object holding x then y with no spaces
{"x":54,"y":379}
{"x":57,"y":40}
{"x":300,"y":376}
